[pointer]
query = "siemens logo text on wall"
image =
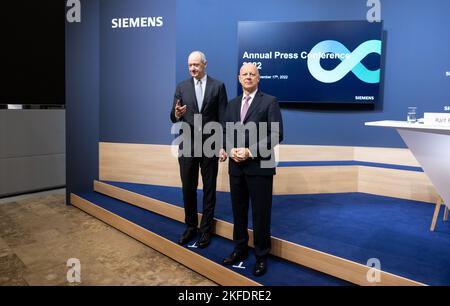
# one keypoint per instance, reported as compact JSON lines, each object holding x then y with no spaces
{"x":138,"y":22}
{"x":364,"y":98}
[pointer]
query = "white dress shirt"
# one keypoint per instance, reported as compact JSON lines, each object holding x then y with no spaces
{"x":252,"y":95}
{"x":203,"y":84}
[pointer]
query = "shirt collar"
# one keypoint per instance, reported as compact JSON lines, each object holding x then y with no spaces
{"x":202,"y":79}
{"x":252,"y":95}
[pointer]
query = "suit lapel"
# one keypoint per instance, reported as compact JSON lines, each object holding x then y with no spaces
{"x":238,"y":109}
{"x":254,"y":105}
{"x":207,"y":93}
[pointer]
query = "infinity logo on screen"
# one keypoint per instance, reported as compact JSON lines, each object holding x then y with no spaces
{"x":351,"y":61}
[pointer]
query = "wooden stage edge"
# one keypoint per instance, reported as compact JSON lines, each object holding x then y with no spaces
{"x":332,"y":265}
{"x":198,"y":263}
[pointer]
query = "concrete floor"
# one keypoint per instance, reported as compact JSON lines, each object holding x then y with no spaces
{"x":39,"y":234}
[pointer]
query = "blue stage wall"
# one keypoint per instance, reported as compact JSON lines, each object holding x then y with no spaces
{"x":138,"y":65}
{"x":137,"y":75}
{"x":82,"y":98}
{"x":417,"y":58}
{"x":120,"y":82}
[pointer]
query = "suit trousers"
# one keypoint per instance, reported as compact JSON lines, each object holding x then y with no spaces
{"x":257,"y":189}
{"x":189,"y":168}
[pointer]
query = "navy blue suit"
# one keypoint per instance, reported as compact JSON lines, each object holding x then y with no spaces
{"x":250,"y":179}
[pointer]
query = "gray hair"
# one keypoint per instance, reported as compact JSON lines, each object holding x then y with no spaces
{"x":202,"y":55}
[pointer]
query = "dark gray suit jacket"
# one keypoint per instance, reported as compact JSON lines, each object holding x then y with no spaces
{"x":214,"y":102}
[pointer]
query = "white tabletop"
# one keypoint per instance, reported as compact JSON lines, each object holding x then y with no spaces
{"x":407,"y":125}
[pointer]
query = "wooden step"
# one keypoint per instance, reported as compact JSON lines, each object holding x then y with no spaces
{"x":192,"y":260}
{"x":326,"y":263}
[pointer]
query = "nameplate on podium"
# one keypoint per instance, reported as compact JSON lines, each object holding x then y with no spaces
{"x":438,"y":119}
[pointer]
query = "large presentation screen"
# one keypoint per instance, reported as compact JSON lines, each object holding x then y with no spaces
{"x":315,"y":62}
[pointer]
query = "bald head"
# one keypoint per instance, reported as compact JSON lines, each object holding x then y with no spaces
{"x":198,"y":55}
{"x":249,"y":78}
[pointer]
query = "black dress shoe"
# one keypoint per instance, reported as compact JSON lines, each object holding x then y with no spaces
{"x":204,"y":241}
{"x":235,"y":257}
{"x":188,"y":235}
{"x":260,"y":267}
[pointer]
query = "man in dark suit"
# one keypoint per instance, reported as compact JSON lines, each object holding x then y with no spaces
{"x":205,"y":96}
{"x":252,"y":166}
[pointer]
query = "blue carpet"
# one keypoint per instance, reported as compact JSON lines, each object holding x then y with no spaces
{"x":354,"y":226}
{"x":280,"y":272}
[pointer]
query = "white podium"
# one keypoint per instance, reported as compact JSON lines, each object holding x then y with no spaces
{"x":430,"y":145}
